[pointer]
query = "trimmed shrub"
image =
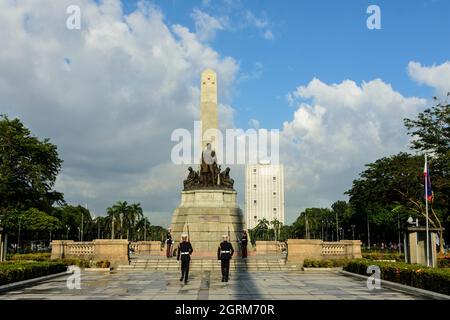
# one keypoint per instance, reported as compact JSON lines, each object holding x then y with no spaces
{"x":30,"y":257}
{"x":444,"y":262}
{"x":383,"y":256}
{"x":312,"y":263}
{"x":76,"y":262}
{"x":418,"y":276}
{"x":14,"y":271}
{"x":102,"y":264}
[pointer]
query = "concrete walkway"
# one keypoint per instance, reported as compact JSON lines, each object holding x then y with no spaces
{"x":205,"y":285}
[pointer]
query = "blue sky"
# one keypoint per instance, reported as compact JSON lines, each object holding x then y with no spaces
{"x":325,"y":39}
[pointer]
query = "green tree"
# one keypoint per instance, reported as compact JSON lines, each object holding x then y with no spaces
{"x":276,"y":224}
{"x":431,"y":134}
{"x":431,"y":129}
{"x":133,"y":214}
{"x":71,"y":218}
{"x":386,"y":184}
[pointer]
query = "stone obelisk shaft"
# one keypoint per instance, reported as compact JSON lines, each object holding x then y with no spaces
{"x":208,"y":108}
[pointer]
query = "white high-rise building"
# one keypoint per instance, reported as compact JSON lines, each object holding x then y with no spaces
{"x":264,"y":193}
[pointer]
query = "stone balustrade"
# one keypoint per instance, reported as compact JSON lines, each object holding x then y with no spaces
{"x":267,"y":247}
{"x":147,"y":247}
{"x":115,"y":251}
{"x":301,"y":249}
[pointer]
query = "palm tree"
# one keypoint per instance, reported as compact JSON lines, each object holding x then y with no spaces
{"x":133,"y":214}
{"x":121,"y":209}
{"x":276,"y":226}
{"x":261,"y":229}
{"x":143,"y":224}
{"x":111,"y":216}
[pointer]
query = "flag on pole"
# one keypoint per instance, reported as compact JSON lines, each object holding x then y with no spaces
{"x":428,"y":191}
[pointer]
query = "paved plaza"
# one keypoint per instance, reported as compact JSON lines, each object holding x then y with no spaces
{"x":207,"y":286}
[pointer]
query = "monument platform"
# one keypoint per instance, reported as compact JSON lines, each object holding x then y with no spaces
{"x":206,"y":215}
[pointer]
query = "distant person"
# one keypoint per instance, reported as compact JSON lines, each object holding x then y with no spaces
{"x":224,"y":254}
{"x":244,"y":243}
{"x":169,"y":244}
{"x":184,"y":253}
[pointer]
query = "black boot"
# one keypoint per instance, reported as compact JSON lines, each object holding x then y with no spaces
{"x":185,"y":281}
{"x":181,"y":279}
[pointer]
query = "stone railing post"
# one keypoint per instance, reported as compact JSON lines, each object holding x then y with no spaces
{"x":352,"y":249}
{"x":301,"y":249}
{"x":115,"y":251}
{"x":267,"y":247}
{"x":59,"y":248}
{"x":148,"y":247}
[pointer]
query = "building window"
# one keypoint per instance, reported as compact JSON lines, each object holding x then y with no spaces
{"x":255,"y":217}
{"x":254,"y":201}
{"x":274,"y":178}
{"x":254,"y":186}
{"x":274,"y":209}
{"x":254,"y":170}
{"x":274,"y":193}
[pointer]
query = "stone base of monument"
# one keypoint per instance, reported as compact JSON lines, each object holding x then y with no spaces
{"x":206,"y":215}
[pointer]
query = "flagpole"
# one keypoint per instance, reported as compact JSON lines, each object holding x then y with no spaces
{"x":426,"y":210}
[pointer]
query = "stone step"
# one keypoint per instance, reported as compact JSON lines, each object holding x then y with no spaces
{"x":208,"y":268}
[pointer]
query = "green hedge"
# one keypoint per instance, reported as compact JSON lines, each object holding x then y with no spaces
{"x":311,"y":263}
{"x":383,"y":256}
{"x":14,"y":271}
{"x":444,"y":262}
{"x":433,"y":279}
{"x":30,"y":257}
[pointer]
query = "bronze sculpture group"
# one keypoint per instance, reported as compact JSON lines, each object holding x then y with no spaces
{"x":209,"y":175}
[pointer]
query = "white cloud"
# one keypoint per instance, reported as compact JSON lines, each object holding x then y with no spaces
{"x":336,"y":129}
{"x":254,"y":124}
{"x":437,"y":76}
{"x":262,"y":24}
{"x":268,"y":35}
{"x":109,"y":95}
{"x":254,"y":74}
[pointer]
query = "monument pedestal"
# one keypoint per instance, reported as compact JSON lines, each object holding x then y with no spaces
{"x":206,"y":215}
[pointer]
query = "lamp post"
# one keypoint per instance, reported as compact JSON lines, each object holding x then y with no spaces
{"x":2,"y":256}
{"x":68,"y":229}
{"x":353,"y":232}
{"x":112,"y":228}
{"x":322,"y":231}
{"x":82,"y":220}
{"x":18,"y":236}
{"x":337,"y":226}
{"x":398,"y":226}
{"x":145,"y":229}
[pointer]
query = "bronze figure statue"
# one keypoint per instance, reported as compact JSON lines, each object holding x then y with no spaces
{"x":192,"y":179}
{"x":209,"y":175}
{"x":225,"y":179}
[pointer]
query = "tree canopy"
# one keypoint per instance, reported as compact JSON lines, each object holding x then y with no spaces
{"x":28,"y":169}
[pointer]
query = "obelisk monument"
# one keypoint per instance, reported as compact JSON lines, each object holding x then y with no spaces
{"x":208,"y":208}
{"x":208,"y":108}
